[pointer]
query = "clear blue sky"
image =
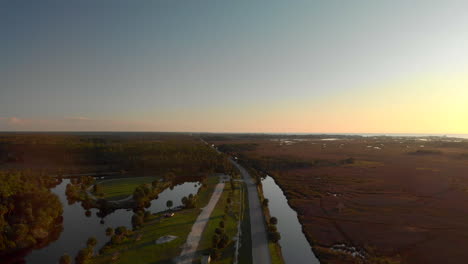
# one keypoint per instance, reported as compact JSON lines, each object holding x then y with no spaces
{"x":259,"y":66}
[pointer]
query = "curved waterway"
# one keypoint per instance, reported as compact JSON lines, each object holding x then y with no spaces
{"x":77,"y":227}
{"x":294,"y":245}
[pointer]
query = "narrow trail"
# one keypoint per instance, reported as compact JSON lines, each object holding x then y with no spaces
{"x":193,"y":239}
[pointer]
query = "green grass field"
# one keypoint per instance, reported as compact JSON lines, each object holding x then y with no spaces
{"x":115,"y":189}
{"x":230,"y":220}
{"x":145,"y":250}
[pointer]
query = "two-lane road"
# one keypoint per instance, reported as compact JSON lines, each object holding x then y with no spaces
{"x":260,"y":251}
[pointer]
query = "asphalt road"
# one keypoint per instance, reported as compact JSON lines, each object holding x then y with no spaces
{"x":260,"y":251}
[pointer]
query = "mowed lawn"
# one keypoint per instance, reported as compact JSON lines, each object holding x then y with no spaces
{"x":145,"y":250}
{"x":115,"y":189}
{"x":230,"y":220}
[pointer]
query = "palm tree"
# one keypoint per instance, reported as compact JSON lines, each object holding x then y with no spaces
{"x":65,"y":259}
{"x":92,"y":241}
{"x":273,"y":220}
{"x":169,"y":204}
{"x":109,"y":231}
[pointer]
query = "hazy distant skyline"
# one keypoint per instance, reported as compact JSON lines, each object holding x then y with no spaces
{"x":234,"y":66}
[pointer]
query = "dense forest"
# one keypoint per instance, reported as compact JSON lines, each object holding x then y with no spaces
{"x":136,"y":152}
{"x":31,"y":164}
{"x":30,"y":215}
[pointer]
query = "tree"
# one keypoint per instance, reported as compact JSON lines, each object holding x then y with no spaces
{"x":92,"y":241}
{"x":155,"y":183}
{"x":169,"y":204}
{"x":215,"y":240}
{"x":221,"y":224}
{"x":83,"y":256}
{"x":170,"y":176}
{"x":274,"y":236}
{"x":109,"y":231}
{"x":121,"y":230}
{"x":137,"y":221}
{"x":65,"y":259}
{"x":265,"y":202}
{"x":215,"y":253}
{"x":97,"y":189}
{"x":233,"y":186}
{"x":273,"y":220}
{"x":223,"y":241}
{"x":146,"y":216}
{"x":272,"y":228}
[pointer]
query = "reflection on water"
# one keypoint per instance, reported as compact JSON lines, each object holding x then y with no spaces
{"x":294,"y":245}
{"x":77,"y":227}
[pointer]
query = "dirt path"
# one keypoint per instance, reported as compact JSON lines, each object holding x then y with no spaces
{"x":191,"y":245}
{"x":260,"y":251}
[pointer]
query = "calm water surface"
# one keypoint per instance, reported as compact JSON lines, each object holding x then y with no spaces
{"x":77,"y":228}
{"x":294,"y":245}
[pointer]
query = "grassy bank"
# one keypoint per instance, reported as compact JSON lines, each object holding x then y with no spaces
{"x":144,"y":250}
{"x":230,"y":217}
{"x":275,"y":248}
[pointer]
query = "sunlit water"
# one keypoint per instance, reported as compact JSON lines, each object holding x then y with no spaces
{"x":77,"y":228}
{"x":294,"y":245}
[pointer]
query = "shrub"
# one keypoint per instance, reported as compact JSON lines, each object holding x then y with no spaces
{"x":65,"y":259}
{"x":91,"y":243}
{"x":109,"y":231}
{"x":273,"y":220}
{"x":274,"y":236}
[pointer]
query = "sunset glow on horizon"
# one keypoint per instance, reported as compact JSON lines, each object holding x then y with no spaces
{"x":273,"y":67}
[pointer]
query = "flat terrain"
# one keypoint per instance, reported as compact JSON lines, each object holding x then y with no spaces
{"x":230,"y":218}
{"x":400,"y":200}
{"x":260,"y":250}
{"x":193,"y":239}
{"x":114,"y":189}
{"x":145,"y":250}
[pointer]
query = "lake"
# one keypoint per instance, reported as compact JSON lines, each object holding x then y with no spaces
{"x":77,"y":227}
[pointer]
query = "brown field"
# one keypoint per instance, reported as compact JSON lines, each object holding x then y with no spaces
{"x":402,"y":200}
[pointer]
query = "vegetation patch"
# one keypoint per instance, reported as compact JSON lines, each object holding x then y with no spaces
{"x":424,"y":152}
{"x":141,"y":247}
{"x":30,"y":215}
{"x":229,"y":148}
{"x":114,"y":189}
{"x":217,"y":239}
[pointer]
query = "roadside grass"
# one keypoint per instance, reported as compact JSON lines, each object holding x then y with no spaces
{"x":245,"y":250}
{"x":145,"y":250}
{"x":230,"y":221}
{"x":275,"y":248}
{"x":275,"y":252}
{"x":115,"y":189}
